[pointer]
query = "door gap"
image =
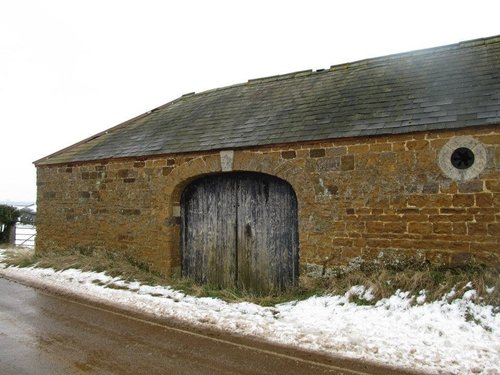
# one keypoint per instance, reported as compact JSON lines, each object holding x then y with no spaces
{"x":237,"y":203}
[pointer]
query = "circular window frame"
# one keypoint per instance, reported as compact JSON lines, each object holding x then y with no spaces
{"x":468,"y":142}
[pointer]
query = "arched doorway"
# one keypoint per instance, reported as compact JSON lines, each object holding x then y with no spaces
{"x":239,"y":230}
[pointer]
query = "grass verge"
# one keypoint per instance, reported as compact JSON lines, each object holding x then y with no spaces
{"x":424,"y":282}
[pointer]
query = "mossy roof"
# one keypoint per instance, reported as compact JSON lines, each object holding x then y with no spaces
{"x":448,"y":87}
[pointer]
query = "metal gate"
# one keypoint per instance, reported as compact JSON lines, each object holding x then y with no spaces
{"x":240,"y":230}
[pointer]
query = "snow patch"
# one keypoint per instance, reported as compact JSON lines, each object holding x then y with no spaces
{"x":439,"y":337}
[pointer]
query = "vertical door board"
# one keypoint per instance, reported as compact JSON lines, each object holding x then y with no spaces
{"x":240,"y":229}
{"x":208,"y":232}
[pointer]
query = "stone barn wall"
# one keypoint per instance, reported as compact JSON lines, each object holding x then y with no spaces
{"x":357,"y":197}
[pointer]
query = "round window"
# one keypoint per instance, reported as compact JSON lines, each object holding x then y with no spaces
{"x":462,"y":158}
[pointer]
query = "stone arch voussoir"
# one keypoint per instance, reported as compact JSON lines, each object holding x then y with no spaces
{"x":244,"y":161}
{"x":187,"y":172}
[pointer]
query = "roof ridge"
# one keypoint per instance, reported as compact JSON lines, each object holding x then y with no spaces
{"x":253,"y":81}
{"x":480,"y":41}
{"x":279,"y":77}
{"x":421,"y":51}
{"x":308,"y":72}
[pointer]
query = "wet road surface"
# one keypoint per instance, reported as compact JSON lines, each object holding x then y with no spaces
{"x":43,"y":334}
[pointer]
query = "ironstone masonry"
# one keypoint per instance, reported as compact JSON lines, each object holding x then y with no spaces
{"x":394,"y":157}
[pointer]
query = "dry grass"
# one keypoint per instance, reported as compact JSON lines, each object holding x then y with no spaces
{"x":384,"y":280}
{"x":86,"y":259}
{"x":437,"y":282}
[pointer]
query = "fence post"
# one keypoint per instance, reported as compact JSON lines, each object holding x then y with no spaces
{"x":12,"y":234}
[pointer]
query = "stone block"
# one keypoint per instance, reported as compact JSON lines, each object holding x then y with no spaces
{"x":492,"y":139}
{"x":448,"y":187}
{"x":417,"y":144}
{"x":165,"y":171}
{"x":336,"y":151}
{"x":442,"y":200}
{"x":317,"y":152}
{"x":493,"y":185}
{"x":460,"y":259}
{"x":398,"y":146}
{"x":375,"y":227}
{"x":85,"y":194}
{"x":474,"y":186}
{"x":380,"y":147}
{"x":130,"y":212}
{"x":358,"y":149}
{"x":477,"y":228}
{"x":328,"y":164}
{"x":291,"y":154}
{"x":443,"y":228}
{"x":430,"y":188}
{"x":463,"y":200}
{"x":437,"y":144}
{"x":485,"y":246}
{"x":347,"y":163}
{"x":122,"y":173}
{"x":420,"y":228}
{"x":395,"y":227}
{"x":494,"y":229}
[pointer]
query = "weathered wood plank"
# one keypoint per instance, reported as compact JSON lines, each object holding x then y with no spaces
{"x":267,"y":234}
{"x":208,"y":232}
{"x":240,"y":229}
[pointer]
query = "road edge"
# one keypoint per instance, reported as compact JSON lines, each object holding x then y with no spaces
{"x":257,"y":343}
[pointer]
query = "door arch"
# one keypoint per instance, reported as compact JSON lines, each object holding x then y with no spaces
{"x":239,"y":229}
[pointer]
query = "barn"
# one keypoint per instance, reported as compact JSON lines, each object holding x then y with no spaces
{"x":388,"y":158}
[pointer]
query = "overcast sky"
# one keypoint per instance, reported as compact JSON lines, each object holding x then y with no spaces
{"x":70,"y":69}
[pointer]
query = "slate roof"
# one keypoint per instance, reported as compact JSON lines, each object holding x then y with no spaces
{"x":446,"y":87}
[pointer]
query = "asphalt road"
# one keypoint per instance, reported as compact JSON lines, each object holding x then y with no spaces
{"x":41,"y":333}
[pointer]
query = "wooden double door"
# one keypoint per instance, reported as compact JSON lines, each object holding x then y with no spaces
{"x":240,"y":230}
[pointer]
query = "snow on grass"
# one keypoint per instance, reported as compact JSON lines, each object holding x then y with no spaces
{"x":439,"y":337}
